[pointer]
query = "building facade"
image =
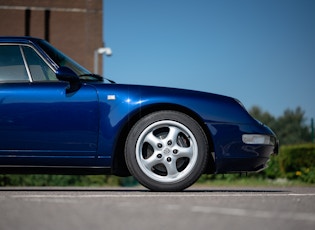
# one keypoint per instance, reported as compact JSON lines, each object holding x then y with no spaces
{"x":72,"y":26}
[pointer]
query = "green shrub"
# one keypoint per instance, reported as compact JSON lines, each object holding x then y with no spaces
{"x":58,"y":180}
{"x":293,"y":158}
{"x":273,"y":171}
{"x":298,"y":162}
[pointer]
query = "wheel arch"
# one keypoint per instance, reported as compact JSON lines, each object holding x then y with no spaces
{"x":119,"y":166}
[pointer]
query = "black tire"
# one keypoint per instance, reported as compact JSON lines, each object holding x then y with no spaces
{"x":166,"y":151}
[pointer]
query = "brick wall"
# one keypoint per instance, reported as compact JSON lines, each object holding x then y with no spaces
{"x":73,"y":26}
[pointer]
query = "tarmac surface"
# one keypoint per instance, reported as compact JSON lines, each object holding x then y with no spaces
{"x":236,"y":208}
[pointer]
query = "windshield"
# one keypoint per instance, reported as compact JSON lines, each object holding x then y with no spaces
{"x":61,"y":59}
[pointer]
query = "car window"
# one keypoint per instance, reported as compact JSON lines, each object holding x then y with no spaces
{"x":39,"y":69}
{"x":12,"y":66}
{"x":61,"y":59}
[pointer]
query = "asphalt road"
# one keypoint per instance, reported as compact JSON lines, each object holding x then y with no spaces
{"x":136,"y":208}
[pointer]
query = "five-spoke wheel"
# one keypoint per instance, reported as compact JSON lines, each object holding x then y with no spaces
{"x":166,"y":151}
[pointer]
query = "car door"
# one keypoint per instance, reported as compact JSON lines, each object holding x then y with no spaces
{"x":40,"y":123}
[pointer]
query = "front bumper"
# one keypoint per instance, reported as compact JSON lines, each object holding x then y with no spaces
{"x":242,"y":147}
{"x":256,"y":160}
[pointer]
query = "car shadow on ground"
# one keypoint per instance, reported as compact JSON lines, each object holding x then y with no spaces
{"x":141,"y":190}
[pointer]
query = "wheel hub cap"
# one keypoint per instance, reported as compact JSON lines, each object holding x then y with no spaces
{"x":174,"y":161}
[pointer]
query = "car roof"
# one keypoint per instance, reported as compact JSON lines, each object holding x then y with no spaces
{"x":19,"y":39}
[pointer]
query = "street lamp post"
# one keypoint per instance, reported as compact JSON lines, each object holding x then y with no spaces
{"x":102,"y":50}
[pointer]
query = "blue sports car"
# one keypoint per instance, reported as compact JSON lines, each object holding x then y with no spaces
{"x":57,"y":117}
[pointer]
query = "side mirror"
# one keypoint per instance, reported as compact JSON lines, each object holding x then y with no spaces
{"x":66,"y":74}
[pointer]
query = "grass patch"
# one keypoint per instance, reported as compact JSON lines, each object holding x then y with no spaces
{"x":247,"y":181}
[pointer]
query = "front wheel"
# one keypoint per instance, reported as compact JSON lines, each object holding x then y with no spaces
{"x":166,"y":151}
